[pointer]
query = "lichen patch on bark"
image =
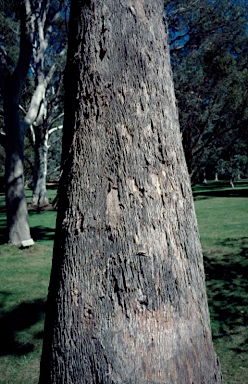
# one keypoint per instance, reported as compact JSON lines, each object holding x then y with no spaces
{"x":113,"y":211}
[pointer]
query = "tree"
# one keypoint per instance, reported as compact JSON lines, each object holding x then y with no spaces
{"x":208,"y":41}
{"x":127,"y":300}
{"x":11,"y":84}
{"x":45,"y":105}
{"x":37,"y":19}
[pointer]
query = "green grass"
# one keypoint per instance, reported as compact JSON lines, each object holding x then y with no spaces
{"x":222,"y":214}
{"x":24,"y":276}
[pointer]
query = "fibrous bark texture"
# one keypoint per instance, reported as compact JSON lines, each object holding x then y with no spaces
{"x":127,"y":300}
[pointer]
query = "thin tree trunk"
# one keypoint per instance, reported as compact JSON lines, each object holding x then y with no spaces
{"x":39,"y":196}
{"x":127,"y":300}
{"x":204,"y":178}
{"x":11,"y":86}
{"x":187,"y":145}
{"x":16,"y":206}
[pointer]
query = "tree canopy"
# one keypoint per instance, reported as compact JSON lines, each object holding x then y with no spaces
{"x":208,"y":43}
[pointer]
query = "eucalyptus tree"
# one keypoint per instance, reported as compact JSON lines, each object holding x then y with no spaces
{"x":12,"y":78}
{"x":44,"y":56}
{"x":45,"y":109}
{"x":208,"y":41}
{"x":127,"y":300}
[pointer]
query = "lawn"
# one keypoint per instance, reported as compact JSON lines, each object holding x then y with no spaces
{"x":24,"y":276}
{"x":222,"y":214}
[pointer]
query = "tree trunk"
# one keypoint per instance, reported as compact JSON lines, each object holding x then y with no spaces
{"x":16,"y":206}
{"x":40,"y":197}
{"x":127,"y":300}
{"x":187,"y":146}
{"x":11,"y":86}
{"x":204,"y":178}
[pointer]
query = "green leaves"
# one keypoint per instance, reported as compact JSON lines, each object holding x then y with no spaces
{"x":209,"y":59}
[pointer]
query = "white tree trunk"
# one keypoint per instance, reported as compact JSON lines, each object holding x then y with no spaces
{"x":16,"y":206}
{"x":39,"y":196}
{"x":204,"y":178}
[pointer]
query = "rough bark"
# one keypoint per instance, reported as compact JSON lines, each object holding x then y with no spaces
{"x":127,"y":300}
{"x":11,"y":86}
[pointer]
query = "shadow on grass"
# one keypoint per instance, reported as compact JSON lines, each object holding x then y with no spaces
{"x":16,"y":320}
{"x":227,"y":286}
{"x":37,"y":233}
{"x":234,"y":192}
{"x":3,"y":230}
{"x":42,"y":233}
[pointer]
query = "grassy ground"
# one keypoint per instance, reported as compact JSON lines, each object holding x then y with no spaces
{"x":222,"y":215}
{"x":24,"y":276}
{"x":223,"y":220}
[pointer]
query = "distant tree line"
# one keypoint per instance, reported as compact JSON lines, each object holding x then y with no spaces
{"x":209,"y":56}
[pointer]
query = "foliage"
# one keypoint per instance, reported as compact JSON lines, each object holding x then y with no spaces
{"x":208,"y":41}
{"x":10,"y":30}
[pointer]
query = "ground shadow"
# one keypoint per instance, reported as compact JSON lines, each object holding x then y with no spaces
{"x":233,"y":192}
{"x":227,"y":285}
{"x":37,"y":233}
{"x":42,"y":233}
{"x":20,"y":318}
{"x":3,"y":230}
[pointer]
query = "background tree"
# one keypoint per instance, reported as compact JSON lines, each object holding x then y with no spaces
{"x":208,"y":41}
{"x":45,"y":107}
{"x":47,"y":66}
{"x":45,"y":113}
{"x":127,"y":300}
{"x":11,"y":84}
